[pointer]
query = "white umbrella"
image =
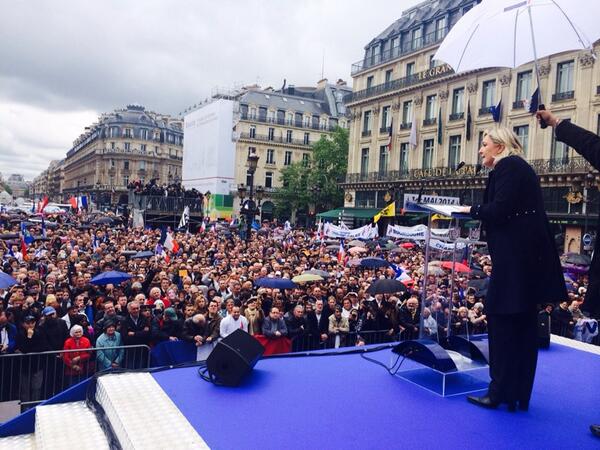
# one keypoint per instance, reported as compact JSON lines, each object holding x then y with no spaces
{"x":510,"y":33}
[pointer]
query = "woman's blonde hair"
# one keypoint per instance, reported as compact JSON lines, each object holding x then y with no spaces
{"x":508,"y":139}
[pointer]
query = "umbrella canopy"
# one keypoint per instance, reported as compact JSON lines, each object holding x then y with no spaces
{"x":275,"y":283}
{"x":354,"y":262}
{"x":398,"y":250}
{"x":356,"y":243}
{"x":374,"y":262}
{"x":433,"y":270}
{"x":144,"y":254}
{"x":571,"y":268}
{"x":321,"y":273}
{"x":6,"y":281}
{"x":386,"y":287}
{"x":357,"y":250}
{"x":558,"y":26}
{"x":476,"y":273}
{"x":577,"y":259}
{"x":306,"y":277}
{"x":480,"y":286}
{"x":390,"y":246}
{"x":333,"y":247}
{"x":407,"y":245}
{"x":458,"y":267}
{"x":6,"y":236}
{"x":111,"y":277}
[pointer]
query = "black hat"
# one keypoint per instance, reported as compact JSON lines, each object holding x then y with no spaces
{"x":29,"y":319}
{"x":108,"y":323}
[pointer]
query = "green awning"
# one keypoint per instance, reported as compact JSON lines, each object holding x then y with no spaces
{"x":349,"y":213}
{"x":471,"y":224}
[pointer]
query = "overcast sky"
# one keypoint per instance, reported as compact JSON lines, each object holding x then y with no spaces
{"x":62,"y":62}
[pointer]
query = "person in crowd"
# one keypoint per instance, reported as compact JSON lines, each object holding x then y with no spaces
{"x":477,"y":319}
{"x":31,"y":339}
{"x":317,"y":326}
{"x":232,"y":322}
{"x":338,"y":327}
{"x":296,"y":327}
{"x":135,"y":331}
{"x":213,"y":323}
{"x":109,"y":356}
{"x":254,"y":316}
{"x":8,"y":335}
{"x":526,"y":268}
{"x":562,"y":322}
{"x":274,"y":326}
{"x":166,"y":326}
{"x":409,"y":319}
{"x":460,"y":323}
{"x":430,"y":325}
{"x":77,"y":356}
{"x":109,"y":313}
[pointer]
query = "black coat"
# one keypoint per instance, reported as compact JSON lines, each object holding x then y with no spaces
{"x":525,"y":266}
{"x":587,"y":144}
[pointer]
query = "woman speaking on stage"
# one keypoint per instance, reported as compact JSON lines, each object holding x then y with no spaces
{"x":526,"y":270}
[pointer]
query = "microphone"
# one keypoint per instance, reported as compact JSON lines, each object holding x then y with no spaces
{"x":460,"y":165}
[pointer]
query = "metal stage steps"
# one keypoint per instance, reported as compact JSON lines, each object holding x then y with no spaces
{"x":140,"y":414}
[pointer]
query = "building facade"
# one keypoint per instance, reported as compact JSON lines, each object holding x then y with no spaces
{"x":398,"y":86}
{"x":17,"y":184}
{"x":125,"y":145}
{"x":280,"y":127}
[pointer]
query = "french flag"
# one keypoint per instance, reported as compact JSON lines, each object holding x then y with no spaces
{"x":341,"y":253}
{"x":171,"y":244}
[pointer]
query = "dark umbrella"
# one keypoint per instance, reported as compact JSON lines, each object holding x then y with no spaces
{"x":84,"y":227}
{"x":386,"y":287}
{"x":333,"y":247}
{"x":144,"y":254}
{"x":476,"y":273}
{"x":480,"y":286}
{"x":111,"y":277}
{"x":104,"y":221}
{"x":275,"y":283}
{"x":374,"y":262}
{"x":577,"y":259}
{"x":6,"y":281}
{"x":6,"y":236}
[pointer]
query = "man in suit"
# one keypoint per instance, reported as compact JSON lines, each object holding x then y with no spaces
{"x":317,"y":324}
{"x":587,"y":144}
{"x":135,"y":330}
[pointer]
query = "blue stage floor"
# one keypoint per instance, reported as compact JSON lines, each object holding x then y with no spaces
{"x":344,"y":401}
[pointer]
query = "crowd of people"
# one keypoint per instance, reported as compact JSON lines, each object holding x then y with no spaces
{"x":208,"y":289}
{"x":152,"y":187}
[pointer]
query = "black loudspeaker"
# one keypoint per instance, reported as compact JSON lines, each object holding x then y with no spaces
{"x":233,"y":358}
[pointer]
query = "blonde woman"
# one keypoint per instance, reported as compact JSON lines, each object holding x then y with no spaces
{"x":526,"y":270}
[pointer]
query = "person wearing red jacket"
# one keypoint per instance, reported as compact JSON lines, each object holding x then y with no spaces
{"x":77,"y":363}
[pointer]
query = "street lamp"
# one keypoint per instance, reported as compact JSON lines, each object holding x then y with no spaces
{"x":249,"y":206}
{"x":315,"y":191}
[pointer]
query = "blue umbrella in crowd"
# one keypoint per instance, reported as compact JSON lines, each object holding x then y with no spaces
{"x":111,"y":277}
{"x":275,"y":283}
{"x":144,"y":254}
{"x":6,"y":281}
{"x":374,"y":263}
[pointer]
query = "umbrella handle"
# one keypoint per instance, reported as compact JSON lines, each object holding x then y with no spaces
{"x":543,"y":123}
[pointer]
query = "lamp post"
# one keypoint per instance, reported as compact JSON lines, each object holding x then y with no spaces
{"x":315,"y":192}
{"x":249,"y":206}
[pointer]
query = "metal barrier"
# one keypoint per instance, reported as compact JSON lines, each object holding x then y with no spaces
{"x":308,"y":342}
{"x":577,"y":332}
{"x":32,"y":378}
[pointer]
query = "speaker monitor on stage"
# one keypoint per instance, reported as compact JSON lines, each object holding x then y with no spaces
{"x":233,"y":358}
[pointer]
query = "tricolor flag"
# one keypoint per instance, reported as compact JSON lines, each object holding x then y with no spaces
{"x":159,"y":251}
{"x":73,"y":202}
{"x":203,"y":227}
{"x":497,"y":112}
{"x":341,"y":253}
{"x":44,"y":203}
{"x":533,"y":104}
{"x":171,"y":244}
{"x":24,"y":249}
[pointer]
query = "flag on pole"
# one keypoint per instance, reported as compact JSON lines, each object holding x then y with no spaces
{"x":341,"y":253}
{"x":44,"y":203}
{"x":390,"y":135}
{"x":84,"y":202}
{"x":159,"y":251}
{"x":32,"y":207}
{"x":185,"y":218}
{"x":203,"y":226}
{"x":388,"y":211}
{"x":24,"y":249}
{"x":497,"y":112}
{"x":43,"y":226}
{"x":532,"y":105}
{"x":439,"y":126}
{"x":25,"y":234}
{"x":171,"y":244}
{"x":73,"y":202}
{"x":469,"y":122}
{"x":412,"y":139}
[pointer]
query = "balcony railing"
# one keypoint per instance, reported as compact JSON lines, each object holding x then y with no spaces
{"x":276,"y":139}
{"x":561,"y":96}
{"x":406,"y":126}
{"x":164,"y":204}
{"x":429,"y":122}
{"x":456,"y":116}
{"x":400,"y":83}
{"x":401,"y":50}
{"x":287,"y":122}
{"x":518,"y":104}
{"x":484,"y":111}
{"x":541,"y":166}
{"x":384,"y":130}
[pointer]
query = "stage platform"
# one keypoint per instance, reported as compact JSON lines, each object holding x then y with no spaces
{"x":346,"y":402}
